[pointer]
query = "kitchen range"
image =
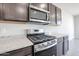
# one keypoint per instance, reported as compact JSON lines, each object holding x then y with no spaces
{"x":43,"y":45}
{"x":48,"y":45}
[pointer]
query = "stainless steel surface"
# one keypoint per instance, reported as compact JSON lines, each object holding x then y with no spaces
{"x":31,"y":6}
{"x":45,"y":45}
{"x":40,"y":40}
{"x":38,"y":20}
{"x":35,"y":31}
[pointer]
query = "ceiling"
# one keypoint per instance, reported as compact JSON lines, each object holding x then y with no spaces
{"x":72,"y":8}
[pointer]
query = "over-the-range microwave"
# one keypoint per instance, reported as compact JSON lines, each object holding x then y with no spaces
{"x":38,"y":15}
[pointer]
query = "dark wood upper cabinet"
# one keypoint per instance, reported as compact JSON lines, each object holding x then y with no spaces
{"x":20,"y":12}
{"x":15,"y":11}
{"x":52,"y":14}
{"x":1,"y":11}
{"x":58,"y":16}
{"x":40,"y":5}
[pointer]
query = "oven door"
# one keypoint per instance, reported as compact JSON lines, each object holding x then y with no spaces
{"x":47,"y":52}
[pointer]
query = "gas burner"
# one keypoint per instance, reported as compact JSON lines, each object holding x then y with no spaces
{"x":40,"y":38}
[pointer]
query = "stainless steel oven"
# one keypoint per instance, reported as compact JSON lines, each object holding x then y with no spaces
{"x":47,"y":52}
{"x":38,"y":15}
{"x":47,"y":48}
{"x":44,"y":45}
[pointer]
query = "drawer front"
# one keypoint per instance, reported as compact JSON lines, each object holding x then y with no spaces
{"x":19,"y":52}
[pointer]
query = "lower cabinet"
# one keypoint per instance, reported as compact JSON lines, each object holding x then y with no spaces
{"x":60,"y":46}
{"x":60,"y":49}
{"x":27,"y":51}
{"x":65,"y":44}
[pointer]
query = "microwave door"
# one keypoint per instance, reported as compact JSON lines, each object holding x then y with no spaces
{"x":39,"y":16}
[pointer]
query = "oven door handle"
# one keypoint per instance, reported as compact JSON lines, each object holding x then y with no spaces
{"x":40,"y":49}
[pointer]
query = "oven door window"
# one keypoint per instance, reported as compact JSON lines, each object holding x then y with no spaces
{"x":47,"y":52}
{"x":39,"y":15}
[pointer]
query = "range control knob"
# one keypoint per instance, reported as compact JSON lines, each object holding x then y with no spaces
{"x":48,"y":43}
{"x":39,"y":46}
{"x":44,"y":45}
{"x":52,"y":41}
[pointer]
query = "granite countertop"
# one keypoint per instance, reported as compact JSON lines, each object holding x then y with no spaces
{"x":58,"y":35}
{"x":10,"y":43}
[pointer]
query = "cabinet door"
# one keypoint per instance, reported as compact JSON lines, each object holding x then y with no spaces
{"x":60,"y":49}
{"x":16,"y":11}
{"x":52,"y":14}
{"x":60,"y":46}
{"x":1,"y":11}
{"x":58,"y":16}
{"x":66,"y":44}
{"x":41,"y":5}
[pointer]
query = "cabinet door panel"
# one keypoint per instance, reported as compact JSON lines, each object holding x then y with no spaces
{"x":1,"y":11}
{"x":66,"y":44}
{"x":60,"y":46}
{"x":41,"y":5}
{"x":60,"y":49}
{"x":15,"y":11}
{"x":21,"y":11}
{"x":58,"y":16}
{"x":9,"y":11}
{"x":52,"y":14}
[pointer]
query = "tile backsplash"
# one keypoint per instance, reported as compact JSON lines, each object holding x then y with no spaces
{"x":15,"y":29}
